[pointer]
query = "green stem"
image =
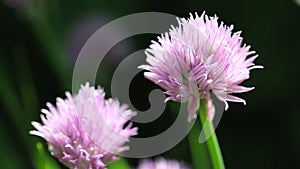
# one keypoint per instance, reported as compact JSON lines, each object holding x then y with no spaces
{"x":212,"y":142}
{"x":198,"y":151}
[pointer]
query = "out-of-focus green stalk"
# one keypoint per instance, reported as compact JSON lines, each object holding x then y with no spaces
{"x":43,"y":160}
{"x":54,"y":10}
{"x":49,"y":40}
{"x":25,"y":82}
{"x":212,"y":142}
{"x":28,"y":93}
{"x":120,"y":164}
{"x":9,"y":156}
{"x":14,"y":107}
{"x":20,"y":111}
{"x":12,"y":103}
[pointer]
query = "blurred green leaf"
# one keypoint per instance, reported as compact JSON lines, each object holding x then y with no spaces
{"x":10,"y":157}
{"x":25,"y":82}
{"x":15,"y":112}
{"x":43,"y":160}
{"x":120,"y":164}
{"x":11,"y":102}
{"x":36,"y":14}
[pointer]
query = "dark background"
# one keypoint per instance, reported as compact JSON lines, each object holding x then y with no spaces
{"x":41,"y":39}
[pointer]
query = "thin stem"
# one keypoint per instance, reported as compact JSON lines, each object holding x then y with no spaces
{"x":199,"y":152}
{"x":212,"y":142}
{"x":215,"y":152}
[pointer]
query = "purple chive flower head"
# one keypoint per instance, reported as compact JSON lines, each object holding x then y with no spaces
{"x":198,"y":57}
{"x":161,"y":163}
{"x":84,"y":131}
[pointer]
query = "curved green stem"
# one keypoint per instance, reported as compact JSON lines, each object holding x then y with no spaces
{"x":212,"y":142}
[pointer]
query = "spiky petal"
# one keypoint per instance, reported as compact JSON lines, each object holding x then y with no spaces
{"x":161,"y":163}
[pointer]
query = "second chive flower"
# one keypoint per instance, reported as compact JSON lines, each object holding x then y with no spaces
{"x":85,"y":131}
{"x":198,"y":57}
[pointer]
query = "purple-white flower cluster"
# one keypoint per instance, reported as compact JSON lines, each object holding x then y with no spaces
{"x":198,"y":57}
{"x":86,"y":130}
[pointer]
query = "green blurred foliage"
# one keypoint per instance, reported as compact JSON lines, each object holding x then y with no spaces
{"x":43,"y":160}
{"x":35,"y":68}
{"x":119,"y":164}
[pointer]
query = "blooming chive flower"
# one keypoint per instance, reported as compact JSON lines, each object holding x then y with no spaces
{"x":198,"y":57}
{"x":161,"y":164}
{"x":84,"y":131}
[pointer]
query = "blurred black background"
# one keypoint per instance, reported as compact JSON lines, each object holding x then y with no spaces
{"x":41,"y":39}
